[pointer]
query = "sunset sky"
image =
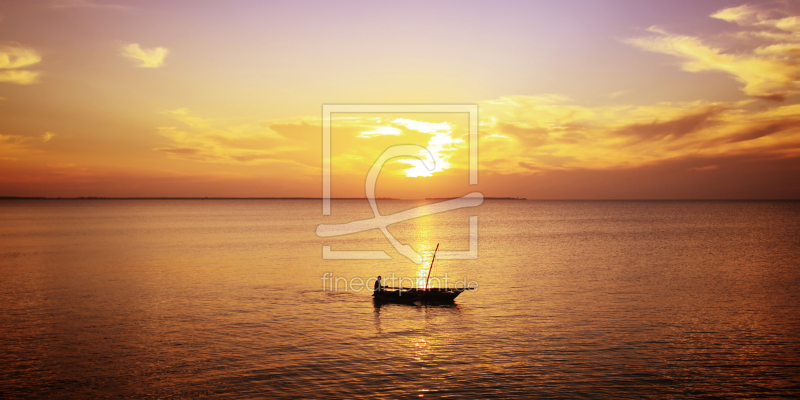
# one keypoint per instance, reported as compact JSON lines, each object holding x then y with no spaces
{"x":577,"y":99}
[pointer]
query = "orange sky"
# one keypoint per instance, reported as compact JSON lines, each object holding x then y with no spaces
{"x":577,"y":99}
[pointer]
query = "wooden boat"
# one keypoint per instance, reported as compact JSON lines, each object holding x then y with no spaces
{"x":413,"y":295}
{"x":390,"y":294}
{"x":394,"y":295}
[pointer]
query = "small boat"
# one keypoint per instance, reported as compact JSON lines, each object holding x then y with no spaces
{"x":390,"y":294}
{"x":412,"y":295}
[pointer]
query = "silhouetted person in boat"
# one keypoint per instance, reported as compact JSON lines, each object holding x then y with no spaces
{"x":378,"y":287}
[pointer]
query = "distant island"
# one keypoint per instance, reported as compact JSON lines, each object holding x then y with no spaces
{"x":485,"y":198}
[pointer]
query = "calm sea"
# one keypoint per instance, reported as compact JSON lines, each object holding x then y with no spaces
{"x":192,"y":298}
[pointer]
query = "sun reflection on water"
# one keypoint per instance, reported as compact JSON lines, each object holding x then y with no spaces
{"x":425,"y":246}
{"x":421,"y":348}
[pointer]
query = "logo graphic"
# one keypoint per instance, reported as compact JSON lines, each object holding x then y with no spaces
{"x":382,"y":221}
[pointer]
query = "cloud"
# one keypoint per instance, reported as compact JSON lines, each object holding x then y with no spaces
{"x":617,"y":94}
{"x":439,"y":145}
{"x":14,"y":57}
{"x":9,"y":140}
{"x":769,"y":36}
{"x":746,"y":15}
{"x":17,"y":57}
{"x":521,"y":135}
{"x":70,"y":4}
{"x":185,"y":116}
{"x":381,"y":130}
{"x":770,"y":25}
{"x":672,"y":129}
{"x":13,"y":145}
{"x":768,"y":71}
{"x":771,"y":72}
{"x":203,"y":139}
{"x":150,"y":58}
{"x":19,"y":77}
{"x":296,"y":144}
{"x":741,"y":175}
{"x":742,"y":15}
{"x":768,"y":128}
{"x":23,"y":145}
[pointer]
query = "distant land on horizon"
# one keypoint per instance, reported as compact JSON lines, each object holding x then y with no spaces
{"x":485,"y":198}
{"x":352,"y":198}
{"x":232,"y":198}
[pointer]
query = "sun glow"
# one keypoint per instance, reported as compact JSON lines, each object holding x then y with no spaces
{"x":439,"y":144}
{"x":423,"y":269}
{"x":195,"y":107}
{"x":381,"y":131}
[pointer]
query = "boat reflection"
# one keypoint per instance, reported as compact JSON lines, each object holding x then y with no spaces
{"x":411,"y":310}
{"x":378,"y":304}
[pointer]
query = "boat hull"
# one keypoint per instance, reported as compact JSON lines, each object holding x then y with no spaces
{"x":437,"y":295}
{"x":432,"y":295}
{"x":394,"y":296}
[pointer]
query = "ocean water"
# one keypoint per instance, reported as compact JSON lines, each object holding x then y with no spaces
{"x":225,"y":298}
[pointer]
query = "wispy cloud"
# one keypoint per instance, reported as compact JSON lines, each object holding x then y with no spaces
{"x":15,"y":57}
{"x":617,"y":94}
{"x":380,"y":131}
{"x":768,"y":71}
{"x":204,"y":140}
{"x":523,"y":134}
{"x":68,"y":4}
{"x":23,"y":145}
{"x":747,"y":15}
{"x":520,"y":135}
{"x":150,"y":58}
{"x":185,"y":116}
{"x":19,"y":77}
{"x":9,"y":140}
{"x":13,"y":145}
{"x":296,"y":144}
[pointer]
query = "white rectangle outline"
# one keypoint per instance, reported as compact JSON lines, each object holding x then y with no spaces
{"x":328,"y":109}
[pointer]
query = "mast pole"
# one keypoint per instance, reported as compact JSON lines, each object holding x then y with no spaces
{"x":431,"y":270}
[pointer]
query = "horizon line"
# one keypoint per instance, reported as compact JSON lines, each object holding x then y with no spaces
{"x":360,"y":198}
